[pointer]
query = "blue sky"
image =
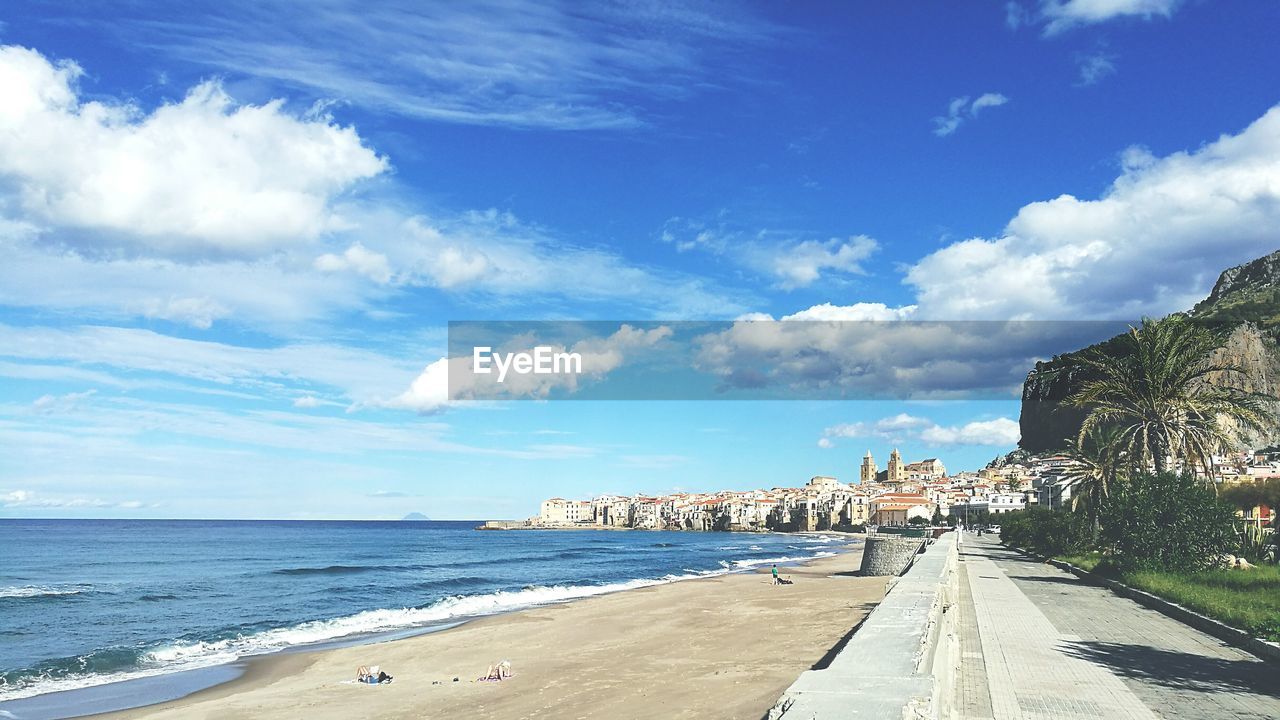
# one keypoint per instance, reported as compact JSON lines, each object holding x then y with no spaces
{"x":234,"y":233}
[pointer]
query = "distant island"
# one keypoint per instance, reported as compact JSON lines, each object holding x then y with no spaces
{"x":416,"y":516}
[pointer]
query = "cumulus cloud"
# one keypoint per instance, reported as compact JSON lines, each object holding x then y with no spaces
{"x":1001,"y":431}
{"x":857,"y":312}
{"x":203,"y":174}
{"x":1189,"y":214}
{"x":904,"y":427}
{"x":961,"y":109}
{"x":873,"y":355}
{"x":203,"y":211}
{"x":802,"y":264}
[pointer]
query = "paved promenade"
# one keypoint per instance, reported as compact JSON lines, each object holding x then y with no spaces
{"x":1038,"y":642}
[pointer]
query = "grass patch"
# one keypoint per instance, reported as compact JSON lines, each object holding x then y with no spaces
{"x":1086,"y":561}
{"x":1245,"y":599}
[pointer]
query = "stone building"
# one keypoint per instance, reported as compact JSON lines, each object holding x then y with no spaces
{"x":895,"y":472}
{"x":868,"y":475}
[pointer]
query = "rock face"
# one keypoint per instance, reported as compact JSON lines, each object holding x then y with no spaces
{"x":1244,"y":308}
{"x":1255,"y":280}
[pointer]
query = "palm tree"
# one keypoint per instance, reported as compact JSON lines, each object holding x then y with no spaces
{"x":1153,"y":389}
{"x":1097,"y":463}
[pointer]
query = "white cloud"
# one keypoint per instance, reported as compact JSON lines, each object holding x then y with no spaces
{"x":903,"y":427}
{"x":802,"y":264}
{"x":1095,"y":67}
{"x":46,"y":404}
{"x":307,"y":402}
{"x":429,"y":392}
{"x":197,"y":176}
{"x":355,"y":373}
{"x":204,"y":212}
{"x":1060,"y":16}
{"x":790,"y":261}
{"x":357,"y":259}
{"x":1001,"y":431}
{"x":490,"y":62}
{"x":858,"y":312}
{"x":1173,"y":222}
{"x":273,"y":292}
{"x":961,"y":109}
{"x":894,"y":428}
{"x":31,"y":500}
{"x":496,"y":254}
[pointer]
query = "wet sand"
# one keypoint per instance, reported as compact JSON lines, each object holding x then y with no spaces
{"x":720,"y":647}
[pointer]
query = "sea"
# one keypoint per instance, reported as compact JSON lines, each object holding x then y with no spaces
{"x":91,"y":603}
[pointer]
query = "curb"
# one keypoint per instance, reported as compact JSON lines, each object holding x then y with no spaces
{"x":1263,"y":649}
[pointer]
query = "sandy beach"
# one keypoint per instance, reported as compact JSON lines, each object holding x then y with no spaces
{"x":719,"y":647}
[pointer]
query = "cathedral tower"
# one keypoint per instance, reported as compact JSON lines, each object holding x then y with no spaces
{"x":868,"y":475}
{"x":896,"y":474}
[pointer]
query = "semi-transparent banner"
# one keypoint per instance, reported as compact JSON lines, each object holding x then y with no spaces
{"x":756,"y":359}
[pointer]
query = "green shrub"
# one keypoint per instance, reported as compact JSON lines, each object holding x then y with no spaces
{"x":1048,"y":532}
{"x":1166,"y":521}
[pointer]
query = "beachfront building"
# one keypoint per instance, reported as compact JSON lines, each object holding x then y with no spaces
{"x":897,"y":509}
{"x":560,"y":512}
{"x":646,"y":513}
{"x":893,"y":496}
{"x":611,"y":511}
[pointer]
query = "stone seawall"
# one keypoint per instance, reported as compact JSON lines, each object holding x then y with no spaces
{"x":888,"y":554}
{"x":900,"y":662}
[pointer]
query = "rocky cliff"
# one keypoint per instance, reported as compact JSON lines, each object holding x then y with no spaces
{"x":1243,"y":308}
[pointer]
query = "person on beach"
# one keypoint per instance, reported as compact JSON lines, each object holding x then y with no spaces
{"x":775,"y":575}
{"x":498,"y":672}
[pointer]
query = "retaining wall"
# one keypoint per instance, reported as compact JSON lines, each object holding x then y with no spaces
{"x":900,"y":662}
{"x":888,"y":554}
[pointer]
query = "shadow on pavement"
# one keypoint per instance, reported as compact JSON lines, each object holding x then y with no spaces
{"x":1073,"y":581}
{"x":1178,"y":670}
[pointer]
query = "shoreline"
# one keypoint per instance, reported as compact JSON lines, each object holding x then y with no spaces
{"x":274,"y":683}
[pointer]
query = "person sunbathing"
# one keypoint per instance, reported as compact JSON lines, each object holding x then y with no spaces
{"x":498,"y":672}
{"x":371,"y":675}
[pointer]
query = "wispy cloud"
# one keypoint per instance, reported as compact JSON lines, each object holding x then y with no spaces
{"x":961,"y":109}
{"x":26,"y":499}
{"x":790,"y":260}
{"x":493,"y":62}
{"x":1094,"y":67}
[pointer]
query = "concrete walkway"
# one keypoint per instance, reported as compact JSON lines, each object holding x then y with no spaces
{"x":1038,"y":642}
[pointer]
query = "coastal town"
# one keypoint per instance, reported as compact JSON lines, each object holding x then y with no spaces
{"x":902,"y":494}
